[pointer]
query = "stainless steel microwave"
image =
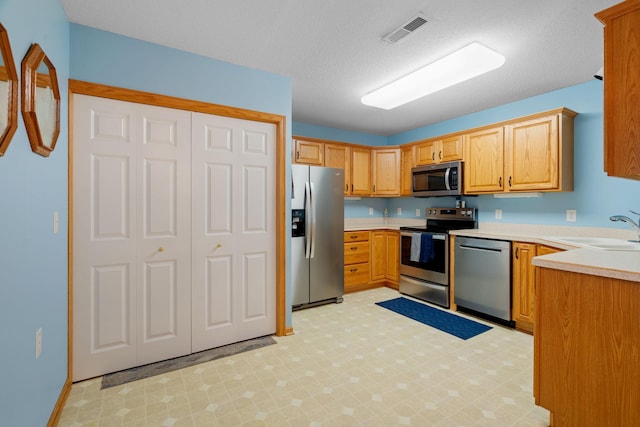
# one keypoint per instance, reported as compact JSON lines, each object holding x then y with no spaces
{"x":441,"y":179}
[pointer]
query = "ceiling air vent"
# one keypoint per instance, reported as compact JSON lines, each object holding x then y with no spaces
{"x":400,"y":33}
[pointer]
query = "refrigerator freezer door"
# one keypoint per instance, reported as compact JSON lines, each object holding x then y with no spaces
{"x":299,"y":263}
{"x":327,"y":264}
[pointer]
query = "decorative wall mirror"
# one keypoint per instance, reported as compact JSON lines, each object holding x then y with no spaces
{"x":40,"y":101}
{"x":8,"y":92}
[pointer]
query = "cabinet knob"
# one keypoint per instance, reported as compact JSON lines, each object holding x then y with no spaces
{"x":500,"y":182}
{"x":517,"y":253}
{"x":353,"y":270}
{"x":354,"y":248}
{"x":440,"y":155}
{"x":509,"y":181}
{"x":354,"y":236}
{"x":433,"y":156}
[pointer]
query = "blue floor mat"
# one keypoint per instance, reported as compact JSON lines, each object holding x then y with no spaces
{"x":440,"y":319}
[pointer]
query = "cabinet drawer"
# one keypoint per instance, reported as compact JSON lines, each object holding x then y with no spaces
{"x":356,"y":236}
{"x":356,"y":252}
{"x":356,"y":273}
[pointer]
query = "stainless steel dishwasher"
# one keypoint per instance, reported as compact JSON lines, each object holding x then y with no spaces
{"x":482,"y":276}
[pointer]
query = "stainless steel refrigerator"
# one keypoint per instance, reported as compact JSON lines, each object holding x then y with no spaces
{"x":317,"y":235}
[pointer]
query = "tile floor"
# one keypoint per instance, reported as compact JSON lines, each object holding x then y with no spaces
{"x":349,"y":364}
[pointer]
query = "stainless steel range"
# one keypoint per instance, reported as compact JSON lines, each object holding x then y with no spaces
{"x":424,"y":253}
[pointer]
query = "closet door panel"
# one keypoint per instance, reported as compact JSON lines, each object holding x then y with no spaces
{"x":214,"y":174}
{"x":104,"y":237}
{"x":131,"y":240}
{"x":164,"y":241}
{"x":256,"y":235}
{"x":233,"y":218}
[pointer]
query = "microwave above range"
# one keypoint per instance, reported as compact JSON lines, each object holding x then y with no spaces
{"x":441,"y":179}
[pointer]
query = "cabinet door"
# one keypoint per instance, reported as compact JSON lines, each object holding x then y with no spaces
{"x":339,"y":156}
{"x":621,"y":89}
{"x":451,"y":148}
{"x":360,"y":171}
{"x":393,"y":256}
{"x":483,"y":166}
{"x":532,"y":155}
{"x":426,"y":152}
{"x":406,"y":163}
{"x":309,"y":152}
{"x":378,"y":263}
{"x":386,"y":172}
{"x":523,"y":282}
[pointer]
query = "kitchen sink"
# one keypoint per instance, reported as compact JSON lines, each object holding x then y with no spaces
{"x":602,"y":243}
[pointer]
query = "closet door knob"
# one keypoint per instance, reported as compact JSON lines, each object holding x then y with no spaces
{"x":219,"y":245}
{"x":160,"y":249}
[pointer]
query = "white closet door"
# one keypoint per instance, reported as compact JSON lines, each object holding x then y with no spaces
{"x":131,"y":236}
{"x":164,"y":234}
{"x":233,"y":221}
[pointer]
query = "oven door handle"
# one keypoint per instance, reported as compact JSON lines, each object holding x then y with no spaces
{"x":435,"y":236}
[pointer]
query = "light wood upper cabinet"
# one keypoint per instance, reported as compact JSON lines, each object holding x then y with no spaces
{"x":523,"y":285}
{"x":532,"y":154}
{"x":360,"y":171}
{"x":308,"y":152}
{"x":386,"y":171}
{"x":622,"y":89}
{"x":406,"y":163}
{"x":439,"y":150}
{"x":339,"y":156}
{"x":484,"y":161}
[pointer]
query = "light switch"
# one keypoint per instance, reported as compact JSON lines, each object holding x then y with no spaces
{"x":571,"y":215}
{"x":55,"y":222}
{"x":498,"y":213}
{"x":370,"y":211}
{"x":399,"y":211}
{"x":418,"y":212}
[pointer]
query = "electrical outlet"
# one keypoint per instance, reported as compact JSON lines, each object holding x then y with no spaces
{"x":55,"y":222}
{"x":498,"y":213}
{"x":418,"y":212}
{"x":399,"y":211}
{"x":370,"y":211}
{"x":38,"y":342}
{"x":571,"y":215}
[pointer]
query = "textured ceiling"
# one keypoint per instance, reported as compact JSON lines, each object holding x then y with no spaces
{"x":334,"y":54}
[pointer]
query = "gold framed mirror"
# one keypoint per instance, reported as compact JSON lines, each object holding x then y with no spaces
{"x":40,"y":101}
{"x":8,"y":92}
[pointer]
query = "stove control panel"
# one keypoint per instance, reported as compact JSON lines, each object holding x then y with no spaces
{"x":451,"y":213}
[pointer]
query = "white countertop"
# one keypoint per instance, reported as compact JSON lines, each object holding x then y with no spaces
{"x":624,"y":265}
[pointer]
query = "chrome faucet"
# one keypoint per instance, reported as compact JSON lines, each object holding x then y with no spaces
{"x":636,"y":226}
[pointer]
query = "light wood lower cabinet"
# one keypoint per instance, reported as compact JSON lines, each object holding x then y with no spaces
{"x":371,"y":259}
{"x":356,"y":261}
{"x":385,"y":257}
{"x":586,"y":349}
{"x":523,"y":285}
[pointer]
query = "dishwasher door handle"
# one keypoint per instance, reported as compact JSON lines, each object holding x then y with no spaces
{"x":480,"y":248}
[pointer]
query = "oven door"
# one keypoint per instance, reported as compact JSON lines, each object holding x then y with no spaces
{"x":436,"y":268}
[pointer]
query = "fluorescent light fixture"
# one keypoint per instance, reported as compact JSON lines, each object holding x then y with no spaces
{"x":464,"y":64}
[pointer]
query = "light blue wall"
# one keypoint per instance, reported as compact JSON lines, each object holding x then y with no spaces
{"x":107,"y":58}
{"x":33,"y":265}
{"x":333,"y":134}
{"x":595,"y":197}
